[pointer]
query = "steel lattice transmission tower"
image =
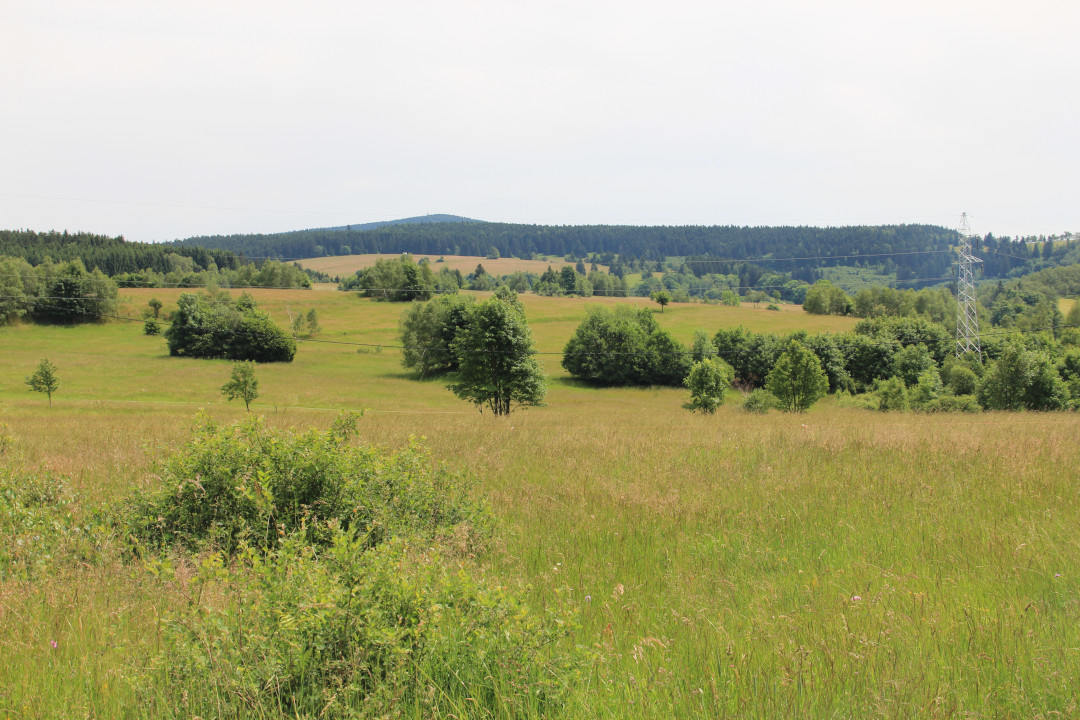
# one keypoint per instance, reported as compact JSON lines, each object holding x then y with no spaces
{"x":967,"y":322}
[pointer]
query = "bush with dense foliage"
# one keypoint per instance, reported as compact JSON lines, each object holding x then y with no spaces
{"x":625,"y":346}
{"x":344,"y":585}
{"x":428,"y":330}
{"x":759,"y":401}
{"x":248,"y":484}
{"x":347,"y":631}
{"x":217,"y":327}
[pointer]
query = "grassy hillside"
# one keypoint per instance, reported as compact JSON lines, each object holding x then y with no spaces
{"x":841,"y":563}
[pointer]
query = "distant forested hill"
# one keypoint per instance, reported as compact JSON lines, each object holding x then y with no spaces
{"x":421,"y":219}
{"x":907,"y":245}
{"x":112,"y":255}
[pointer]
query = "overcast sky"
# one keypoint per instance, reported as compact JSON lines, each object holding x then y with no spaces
{"x":161,"y":120}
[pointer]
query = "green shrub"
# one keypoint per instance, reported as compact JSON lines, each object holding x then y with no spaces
{"x":926,"y":390}
{"x":892,"y":395}
{"x":205,"y":327}
{"x":248,"y":483}
{"x":759,"y":401}
{"x":953,"y":403}
{"x":624,"y":346}
{"x":346,"y":631}
{"x":151,"y":327}
{"x":963,"y":381}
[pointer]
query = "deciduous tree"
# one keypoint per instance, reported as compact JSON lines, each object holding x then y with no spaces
{"x":797,"y":380}
{"x":44,"y":379}
{"x":242,"y":383}
{"x":496,"y":367}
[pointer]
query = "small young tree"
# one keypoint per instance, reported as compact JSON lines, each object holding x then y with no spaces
{"x":155,"y":306}
{"x":44,"y":379}
{"x":312,"y":319}
{"x":797,"y":380}
{"x":151,"y":327}
{"x":661,"y":298}
{"x":708,"y":380}
{"x":242,"y":383}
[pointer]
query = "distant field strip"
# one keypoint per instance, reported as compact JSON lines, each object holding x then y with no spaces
{"x":343,"y":265}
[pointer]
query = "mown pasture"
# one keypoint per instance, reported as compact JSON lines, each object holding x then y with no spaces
{"x":841,"y":563}
{"x":345,"y":265}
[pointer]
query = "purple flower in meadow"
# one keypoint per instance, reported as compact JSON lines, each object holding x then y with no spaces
{"x":54,"y":644}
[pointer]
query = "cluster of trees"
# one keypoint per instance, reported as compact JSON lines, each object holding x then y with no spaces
{"x":909,"y":362}
{"x":54,"y":293}
{"x":625,"y":346}
{"x":396,"y":279}
{"x":488,"y":345}
{"x":1030,"y":303}
{"x":215,"y":326}
{"x":936,"y":303}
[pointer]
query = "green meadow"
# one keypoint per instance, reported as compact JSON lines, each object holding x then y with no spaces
{"x":842,"y":563}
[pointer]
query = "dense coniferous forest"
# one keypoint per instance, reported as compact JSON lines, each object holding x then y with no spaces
{"x":111,"y":255}
{"x":626,"y":241}
{"x":908,"y":251}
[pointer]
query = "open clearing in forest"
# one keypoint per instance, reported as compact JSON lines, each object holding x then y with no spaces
{"x":345,"y":265}
{"x":841,"y":563}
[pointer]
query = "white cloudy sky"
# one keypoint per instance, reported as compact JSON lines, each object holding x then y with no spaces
{"x":163,"y":119}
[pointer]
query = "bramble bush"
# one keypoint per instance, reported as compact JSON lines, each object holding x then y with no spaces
{"x":334,"y":580}
{"x":249,"y":484}
{"x":347,"y":631}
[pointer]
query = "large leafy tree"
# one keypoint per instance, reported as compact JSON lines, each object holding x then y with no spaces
{"x":495,"y":355}
{"x":797,"y":380}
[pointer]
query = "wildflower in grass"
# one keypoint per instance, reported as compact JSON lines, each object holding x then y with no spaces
{"x":855,"y":598}
{"x":53,"y":644}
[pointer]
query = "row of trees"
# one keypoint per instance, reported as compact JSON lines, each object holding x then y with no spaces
{"x":270,"y":274}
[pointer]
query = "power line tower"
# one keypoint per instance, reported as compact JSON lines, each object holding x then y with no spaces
{"x":967,"y":322}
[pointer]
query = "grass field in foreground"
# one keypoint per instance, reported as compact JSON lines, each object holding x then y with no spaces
{"x":842,"y":563}
{"x":345,"y":265}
